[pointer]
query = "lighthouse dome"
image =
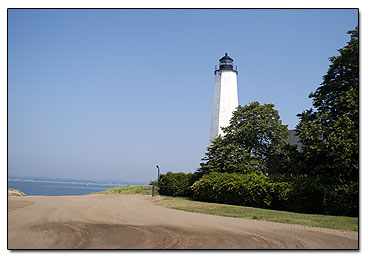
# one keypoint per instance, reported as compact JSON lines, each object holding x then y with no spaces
{"x":226,"y":59}
{"x":226,"y":63}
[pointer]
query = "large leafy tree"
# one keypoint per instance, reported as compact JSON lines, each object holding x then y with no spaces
{"x":254,"y":135}
{"x":330,"y":130}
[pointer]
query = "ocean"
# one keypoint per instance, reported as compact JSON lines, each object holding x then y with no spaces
{"x":56,"y":188}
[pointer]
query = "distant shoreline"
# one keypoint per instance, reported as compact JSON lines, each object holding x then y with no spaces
{"x":57,"y":188}
{"x":62,"y":182}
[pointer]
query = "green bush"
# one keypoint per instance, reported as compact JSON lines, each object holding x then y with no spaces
{"x":309,"y":195}
{"x":237,"y":189}
{"x":175,"y":184}
{"x":306,"y":195}
{"x":281,"y":195}
{"x":342,"y":199}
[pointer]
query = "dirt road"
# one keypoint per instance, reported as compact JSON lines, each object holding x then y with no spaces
{"x":135,"y":222}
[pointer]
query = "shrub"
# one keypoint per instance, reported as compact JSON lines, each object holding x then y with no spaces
{"x":175,"y":184}
{"x":280,"y":193}
{"x":342,"y":199}
{"x":203,"y":190}
{"x":309,"y":195}
{"x":306,"y":196}
{"x":237,"y":189}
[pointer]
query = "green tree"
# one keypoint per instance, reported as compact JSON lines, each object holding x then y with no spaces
{"x":329,"y":132}
{"x":287,"y":161}
{"x":254,"y":135}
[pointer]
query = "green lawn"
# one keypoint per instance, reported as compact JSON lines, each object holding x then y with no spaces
{"x":186,"y":204}
{"x":325,"y":221}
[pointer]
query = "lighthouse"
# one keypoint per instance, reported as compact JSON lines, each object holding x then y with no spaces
{"x":225,"y":99}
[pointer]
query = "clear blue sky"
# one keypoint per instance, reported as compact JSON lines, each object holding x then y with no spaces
{"x":108,"y":94}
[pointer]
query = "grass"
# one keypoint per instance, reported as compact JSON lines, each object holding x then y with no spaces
{"x":186,"y":204}
{"x":143,"y":190}
{"x":315,"y":220}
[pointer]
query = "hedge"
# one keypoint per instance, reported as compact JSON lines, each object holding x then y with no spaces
{"x":236,"y":189}
{"x":342,"y":199}
{"x":305,"y":195}
{"x":176,"y":184}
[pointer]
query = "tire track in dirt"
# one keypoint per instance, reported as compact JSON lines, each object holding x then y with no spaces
{"x":135,"y":222}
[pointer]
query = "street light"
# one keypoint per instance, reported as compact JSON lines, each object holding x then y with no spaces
{"x":158,"y":172}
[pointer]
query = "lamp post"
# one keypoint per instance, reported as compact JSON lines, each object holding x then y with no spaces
{"x":158,"y":172}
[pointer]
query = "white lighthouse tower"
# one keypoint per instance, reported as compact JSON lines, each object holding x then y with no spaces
{"x":225,"y":99}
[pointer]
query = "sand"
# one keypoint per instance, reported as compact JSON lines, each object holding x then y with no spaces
{"x":135,"y":222}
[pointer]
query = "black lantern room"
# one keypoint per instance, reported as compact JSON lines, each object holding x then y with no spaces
{"x":226,"y":63}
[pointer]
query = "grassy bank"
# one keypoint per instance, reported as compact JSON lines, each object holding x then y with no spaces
{"x":324,"y":221}
{"x":143,"y":190}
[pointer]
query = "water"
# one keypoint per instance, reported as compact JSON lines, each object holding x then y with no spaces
{"x":56,"y":188}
